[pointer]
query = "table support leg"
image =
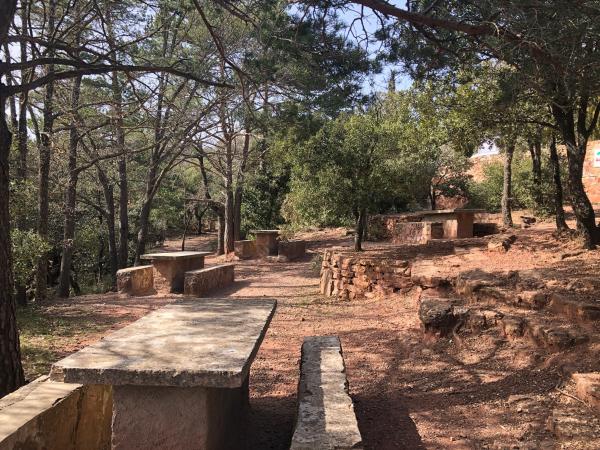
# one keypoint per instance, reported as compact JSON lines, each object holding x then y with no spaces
{"x":176,"y":418}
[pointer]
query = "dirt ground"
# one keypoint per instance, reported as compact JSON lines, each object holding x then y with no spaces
{"x":410,"y":392}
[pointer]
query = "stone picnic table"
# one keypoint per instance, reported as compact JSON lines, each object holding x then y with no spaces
{"x":266,"y":242}
{"x":179,"y":375}
{"x":458,"y":223}
{"x":170,"y":267}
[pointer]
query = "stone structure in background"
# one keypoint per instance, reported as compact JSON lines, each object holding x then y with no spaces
{"x":51,"y":415}
{"x":200,"y":282}
{"x":170,"y":268}
{"x":423,"y":226}
{"x":348,"y":275}
{"x":290,"y":250}
{"x":591,"y":172}
{"x":245,"y":249}
{"x":266,"y":242}
{"x":136,"y":280}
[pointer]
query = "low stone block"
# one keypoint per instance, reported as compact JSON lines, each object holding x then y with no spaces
{"x":588,"y":388}
{"x":245,"y":249}
{"x":292,"y":250}
{"x":56,"y":416}
{"x":326,"y":418}
{"x":136,"y":280}
{"x":200,"y":282}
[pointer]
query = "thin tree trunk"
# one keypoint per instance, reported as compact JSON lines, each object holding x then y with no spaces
{"x":110,"y":224}
{"x":535,"y":151}
{"x":123,"y":214}
{"x":507,"y":186}
{"x":11,"y":370}
{"x":237,"y":213}
{"x":45,"y":150}
{"x":143,"y":231}
{"x":70,"y":197}
{"x":229,"y":223}
{"x":220,"y":234}
{"x":360,"y":229}
{"x":23,"y":148}
{"x":561,"y":224}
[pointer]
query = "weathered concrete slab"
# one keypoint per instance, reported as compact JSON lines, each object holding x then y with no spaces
{"x":136,"y":280}
{"x":210,"y":344}
{"x":200,"y":282}
{"x":56,"y":416}
{"x":326,"y":418}
{"x":173,"y":255}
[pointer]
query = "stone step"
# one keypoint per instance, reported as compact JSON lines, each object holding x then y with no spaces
{"x":543,"y":332}
{"x":587,"y":386}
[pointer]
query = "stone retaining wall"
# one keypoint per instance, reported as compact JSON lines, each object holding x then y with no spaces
{"x":351,"y":275}
{"x":200,"y":282}
{"x":136,"y":280}
{"x":49,"y":415}
{"x":291,"y":250}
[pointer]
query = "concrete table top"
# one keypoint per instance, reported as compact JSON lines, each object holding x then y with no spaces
{"x":194,"y":343}
{"x":451,"y":211}
{"x":173,"y":255}
{"x":264,"y":231}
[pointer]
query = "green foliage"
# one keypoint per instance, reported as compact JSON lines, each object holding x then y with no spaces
{"x":488,"y":192}
{"x":27,"y":248}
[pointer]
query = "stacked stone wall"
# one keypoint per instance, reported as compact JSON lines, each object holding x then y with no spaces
{"x":136,"y":280}
{"x":201,"y":282}
{"x":349,"y":275}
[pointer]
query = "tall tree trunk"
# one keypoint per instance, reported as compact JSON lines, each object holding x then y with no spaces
{"x":237,"y":213}
{"x":143,"y":231}
{"x":110,"y":224}
{"x":507,"y":186}
{"x":23,"y":148}
{"x":11,"y":370}
{"x":360,"y":229}
{"x":220,"y":234}
{"x":45,"y":150}
{"x":123,"y":214}
{"x":70,"y":197}
{"x":229,"y":223}
{"x":576,"y":150}
{"x":561,"y":224}
{"x":535,"y":151}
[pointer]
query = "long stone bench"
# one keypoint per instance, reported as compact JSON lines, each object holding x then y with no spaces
{"x":245,"y":249}
{"x":326,"y":418}
{"x":291,"y":250}
{"x":200,"y":282}
{"x":51,"y":415}
{"x":137,"y":280}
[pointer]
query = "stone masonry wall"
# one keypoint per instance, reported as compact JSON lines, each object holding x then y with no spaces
{"x":399,"y":230}
{"x":136,"y":280}
{"x":200,"y":282}
{"x":350,"y":275}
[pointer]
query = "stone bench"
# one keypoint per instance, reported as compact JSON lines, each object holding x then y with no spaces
{"x":291,"y":250}
{"x":326,"y":418}
{"x":417,"y":232}
{"x":51,"y":415}
{"x":245,"y":249}
{"x":136,"y":280}
{"x":200,"y":282}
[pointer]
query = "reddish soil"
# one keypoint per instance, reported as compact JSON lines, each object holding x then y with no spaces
{"x":469,"y":391}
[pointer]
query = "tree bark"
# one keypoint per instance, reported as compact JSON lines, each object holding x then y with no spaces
{"x":70,"y":197}
{"x":229,"y":222}
{"x":359,"y":229}
{"x":110,"y":224}
{"x":561,"y":224}
{"x":535,"y":151}
{"x":11,"y":370}
{"x":237,"y":213}
{"x":576,"y":143}
{"x":123,"y":214}
{"x":507,"y":186}
{"x":45,"y":151}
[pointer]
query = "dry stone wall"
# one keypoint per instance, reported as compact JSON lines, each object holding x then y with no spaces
{"x":349,"y":275}
{"x":136,"y":280}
